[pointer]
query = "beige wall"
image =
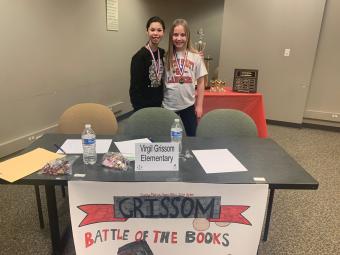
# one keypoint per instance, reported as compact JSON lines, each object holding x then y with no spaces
{"x":56,"y":53}
{"x":255,"y":34}
{"x":324,"y":95}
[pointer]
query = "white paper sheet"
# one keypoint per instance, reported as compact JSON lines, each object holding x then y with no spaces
{"x":112,"y":15}
{"x":74,"y":146}
{"x":127,"y":148}
{"x":218,"y":161}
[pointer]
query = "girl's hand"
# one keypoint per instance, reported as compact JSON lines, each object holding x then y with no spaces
{"x":199,"y":111}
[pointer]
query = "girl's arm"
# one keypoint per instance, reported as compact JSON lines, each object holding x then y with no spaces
{"x":200,"y":96}
{"x":137,"y":69}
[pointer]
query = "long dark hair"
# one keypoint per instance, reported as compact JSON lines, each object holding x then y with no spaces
{"x":170,"y":53}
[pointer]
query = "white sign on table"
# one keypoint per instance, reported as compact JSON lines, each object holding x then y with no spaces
{"x":156,"y":157}
{"x":169,"y":217}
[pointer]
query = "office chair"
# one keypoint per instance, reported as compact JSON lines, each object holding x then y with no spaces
{"x":73,"y":120}
{"x":101,"y":118}
{"x":226,"y":122}
{"x":151,"y":121}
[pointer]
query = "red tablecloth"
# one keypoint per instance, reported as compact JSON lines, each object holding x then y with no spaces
{"x":250,"y":103}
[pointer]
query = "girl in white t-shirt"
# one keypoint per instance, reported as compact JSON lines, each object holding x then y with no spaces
{"x":184,"y":69}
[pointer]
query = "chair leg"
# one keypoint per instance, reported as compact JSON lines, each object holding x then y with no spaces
{"x":40,"y":213}
{"x":63,"y":190}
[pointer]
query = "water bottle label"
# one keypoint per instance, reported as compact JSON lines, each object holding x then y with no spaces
{"x":176,"y":134}
{"x":89,"y":141}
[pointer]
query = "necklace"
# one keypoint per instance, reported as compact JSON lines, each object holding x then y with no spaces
{"x":181,"y":67}
{"x":157,"y":63}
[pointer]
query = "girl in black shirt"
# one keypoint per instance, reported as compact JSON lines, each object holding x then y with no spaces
{"x":147,"y":67}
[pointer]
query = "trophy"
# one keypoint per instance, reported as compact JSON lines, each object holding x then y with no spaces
{"x":200,"y":45}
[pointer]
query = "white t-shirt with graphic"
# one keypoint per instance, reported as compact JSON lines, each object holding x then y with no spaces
{"x":179,"y":96}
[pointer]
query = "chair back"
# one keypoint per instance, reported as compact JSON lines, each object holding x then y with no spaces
{"x":101,"y":118}
{"x":151,"y":121}
{"x":226,"y":122}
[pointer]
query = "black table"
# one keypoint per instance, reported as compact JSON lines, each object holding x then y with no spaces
{"x":262,"y":157}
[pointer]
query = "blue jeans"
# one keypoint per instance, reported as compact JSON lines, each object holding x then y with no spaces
{"x":189,"y":119}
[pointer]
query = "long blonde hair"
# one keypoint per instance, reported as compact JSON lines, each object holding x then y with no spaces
{"x":170,"y":53}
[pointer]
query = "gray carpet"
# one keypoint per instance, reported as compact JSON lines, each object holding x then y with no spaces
{"x":303,"y":222}
{"x":307,"y":222}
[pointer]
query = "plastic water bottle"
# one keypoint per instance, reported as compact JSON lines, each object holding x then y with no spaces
{"x":88,"y":138}
{"x":176,"y":133}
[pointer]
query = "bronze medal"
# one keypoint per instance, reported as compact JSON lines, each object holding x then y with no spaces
{"x":181,"y":67}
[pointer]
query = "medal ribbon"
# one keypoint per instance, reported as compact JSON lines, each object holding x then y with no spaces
{"x":181,"y":67}
{"x":157,"y":65}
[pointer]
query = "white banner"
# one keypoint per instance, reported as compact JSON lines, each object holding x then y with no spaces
{"x":163,"y":218}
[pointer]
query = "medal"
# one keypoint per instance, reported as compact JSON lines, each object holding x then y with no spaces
{"x":156,"y":65}
{"x":181,"y":67}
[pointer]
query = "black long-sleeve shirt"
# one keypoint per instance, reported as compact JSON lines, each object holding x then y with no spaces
{"x":144,"y":89}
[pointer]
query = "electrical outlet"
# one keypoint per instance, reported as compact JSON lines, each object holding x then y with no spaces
{"x":286,"y":53}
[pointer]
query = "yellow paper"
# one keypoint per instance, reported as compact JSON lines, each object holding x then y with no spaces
{"x":23,"y":165}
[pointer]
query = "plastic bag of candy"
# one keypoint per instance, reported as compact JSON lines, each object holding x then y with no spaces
{"x":115,"y":160}
{"x":60,"y":166}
